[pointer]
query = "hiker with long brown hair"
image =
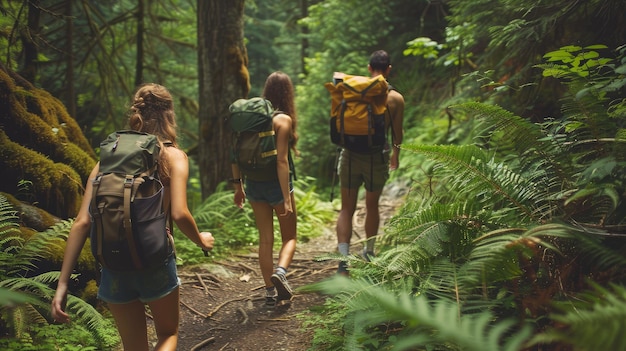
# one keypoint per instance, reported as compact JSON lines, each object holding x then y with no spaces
{"x":127,"y":292}
{"x":274,"y":196}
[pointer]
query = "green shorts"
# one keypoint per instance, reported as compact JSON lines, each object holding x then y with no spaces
{"x":356,"y":169}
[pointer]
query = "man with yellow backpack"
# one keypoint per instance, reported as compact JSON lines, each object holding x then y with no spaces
{"x":364,"y":111}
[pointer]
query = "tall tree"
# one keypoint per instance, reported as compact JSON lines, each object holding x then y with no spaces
{"x":68,"y":85}
{"x":140,"y":52}
{"x":223,"y":77}
{"x":30,"y":36}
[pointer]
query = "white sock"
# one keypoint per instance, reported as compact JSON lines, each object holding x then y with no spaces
{"x":344,"y":248}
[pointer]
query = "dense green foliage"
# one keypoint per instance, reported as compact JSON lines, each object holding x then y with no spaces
{"x":29,"y":322}
{"x":509,"y":224}
{"x":519,"y":235}
{"x":511,"y":236}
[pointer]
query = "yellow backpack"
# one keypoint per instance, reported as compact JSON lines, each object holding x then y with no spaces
{"x":357,"y":113}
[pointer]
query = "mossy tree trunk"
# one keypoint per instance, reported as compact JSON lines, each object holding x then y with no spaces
{"x":223,"y":77}
{"x":44,"y":156}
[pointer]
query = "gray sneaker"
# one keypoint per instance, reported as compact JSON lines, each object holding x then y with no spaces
{"x":270,"y":299}
{"x":282,"y":286}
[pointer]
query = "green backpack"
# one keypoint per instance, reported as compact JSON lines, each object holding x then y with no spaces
{"x":253,"y":146}
{"x":128,"y":222}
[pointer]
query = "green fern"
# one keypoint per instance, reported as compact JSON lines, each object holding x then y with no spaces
{"x":420,"y":322}
{"x":594,"y":320}
{"x":18,"y":258}
{"x":470,"y":172}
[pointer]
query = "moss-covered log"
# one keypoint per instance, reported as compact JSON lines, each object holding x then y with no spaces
{"x":43,"y":153}
{"x":31,"y":216}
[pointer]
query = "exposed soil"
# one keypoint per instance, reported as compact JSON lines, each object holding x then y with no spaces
{"x":222,"y":303}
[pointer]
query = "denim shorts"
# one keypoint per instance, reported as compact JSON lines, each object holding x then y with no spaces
{"x":370,"y":169}
{"x":145,"y":286}
{"x":268,"y":192}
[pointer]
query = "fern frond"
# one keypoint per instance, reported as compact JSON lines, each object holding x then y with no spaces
{"x":11,"y":298}
{"x":590,"y":245}
{"x":424,"y":323}
{"x":493,"y":259}
{"x":86,"y":314}
{"x":476,"y":176}
{"x":510,"y":131}
{"x":525,"y":146}
{"x":408,"y":223}
{"x":592,"y":321}
{"x":42,"y":244}
{"x":48,"y":277}
{"x":11,"y":243}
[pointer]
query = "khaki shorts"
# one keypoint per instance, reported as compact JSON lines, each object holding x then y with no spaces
{"x":356,"y":169}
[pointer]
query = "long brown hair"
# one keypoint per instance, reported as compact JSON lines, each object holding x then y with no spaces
{"x":279,"y":91}
{"x":152,"y":111}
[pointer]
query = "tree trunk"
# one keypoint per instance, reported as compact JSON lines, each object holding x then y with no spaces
{"x":223,"y":78}
{"x":140,"y":36}
{"x":29,"y":40}
{"x":69,"y":92}
{"x":304,"y":45}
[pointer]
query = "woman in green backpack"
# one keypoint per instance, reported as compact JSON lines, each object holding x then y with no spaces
{"x":274,"y":196}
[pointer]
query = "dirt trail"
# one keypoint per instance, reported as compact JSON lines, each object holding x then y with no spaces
{"x":222,"y":304}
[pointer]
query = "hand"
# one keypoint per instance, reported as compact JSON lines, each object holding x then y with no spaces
{"x":207,"y":240}
{"x":288,"y":209}
{"x":59,"y":301}
{"x":394,"y":163}
{"x":240,"y":197}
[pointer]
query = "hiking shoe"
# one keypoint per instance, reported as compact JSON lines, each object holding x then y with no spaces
{"x":282,"y":287}
{"x":270,"y":299}
{"x":343,"y":268}
{"x":368,"y":255}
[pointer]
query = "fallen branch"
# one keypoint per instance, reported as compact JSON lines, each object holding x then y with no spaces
{"x":247,"y":267}
{"x":272,"y":319}
{"x":206,"y":290}
{"x":203,"y":343}
{"x":211,"y":277}
{"x":192,"y":309}
{"x":210,"y":314}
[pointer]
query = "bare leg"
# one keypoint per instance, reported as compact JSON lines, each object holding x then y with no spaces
{"x":372,"y":216}
{"x":288,"y":233}
{"x":344,"y":221}
{"x":166,"y":314}
{"x":264,"y":217}
{"x":130,"y":319}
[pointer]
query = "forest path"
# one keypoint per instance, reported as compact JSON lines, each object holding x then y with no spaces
{"x":222,"y":304}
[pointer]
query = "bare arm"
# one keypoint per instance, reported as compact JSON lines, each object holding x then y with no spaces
{"x":75,"y":242}
{"x":179,"y":174}
{"x":240,"y":194}
{"x":282,"y":126}
{"x":395,"y":102}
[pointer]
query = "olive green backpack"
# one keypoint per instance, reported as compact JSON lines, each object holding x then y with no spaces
{"x":128,"y":229}
{"x":253,"y":146}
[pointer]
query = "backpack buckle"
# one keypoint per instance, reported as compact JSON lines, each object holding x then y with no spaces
{"x":128,"y":182}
